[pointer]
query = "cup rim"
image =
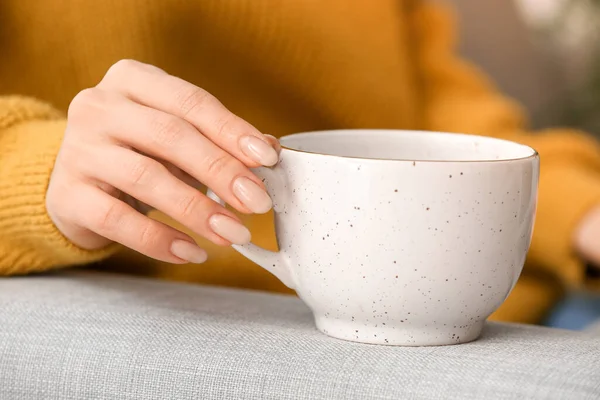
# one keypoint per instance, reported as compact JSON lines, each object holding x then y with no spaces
{"x":534,"y":154}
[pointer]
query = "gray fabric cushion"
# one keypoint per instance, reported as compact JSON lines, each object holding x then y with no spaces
{"x":594,"y":329}
{"x":95,"y":336}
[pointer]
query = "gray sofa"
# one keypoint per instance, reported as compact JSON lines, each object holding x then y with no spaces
{"x":84,"y":335}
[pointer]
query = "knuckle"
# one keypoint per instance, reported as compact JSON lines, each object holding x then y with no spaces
{"x":110,"y":219}
{"x":166,"y":132}
{"x":189,"y":101}
{"x":84,"y":101}
{"x":189,"y":205}
{"x":122,"y":68}
{"x":224,"y":126}
{"x":218,"y":164}
{"x":149,"y":236}
{"x":142,"y":172}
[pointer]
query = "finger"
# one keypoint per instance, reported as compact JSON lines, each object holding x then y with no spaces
{"x":118,"y":222}
{"x":183,"y":176}
{"x":150,"y":182}
{"x":174,"y":140}
{"x":154,"y":88}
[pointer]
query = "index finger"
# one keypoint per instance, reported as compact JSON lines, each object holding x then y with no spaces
{"x":152,"y":87}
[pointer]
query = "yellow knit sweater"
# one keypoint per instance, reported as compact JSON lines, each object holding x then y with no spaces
{"x":285,"y":66}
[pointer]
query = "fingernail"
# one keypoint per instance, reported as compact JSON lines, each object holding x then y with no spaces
{"x":258,"y":150}
{"x":229,"y":229}
{"x":188,"y":251}
{"x":274,"y":142}
{"x":252,"y":195}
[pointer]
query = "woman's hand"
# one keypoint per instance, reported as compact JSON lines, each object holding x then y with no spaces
{"x":145,"y":139}
{"x":587,"y":237}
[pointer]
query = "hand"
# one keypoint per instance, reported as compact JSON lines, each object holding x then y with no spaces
{"x":145,"y":139}
{"x":587,"y":237}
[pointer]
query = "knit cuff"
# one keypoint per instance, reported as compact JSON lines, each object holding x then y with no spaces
{"x":30,"y":137}
{"x":18,"y":109}
{"x":567,"y":193}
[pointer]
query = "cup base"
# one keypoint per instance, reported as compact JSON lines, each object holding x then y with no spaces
{"x":400,"y":334}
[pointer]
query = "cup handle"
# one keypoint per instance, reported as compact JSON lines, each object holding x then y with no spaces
{"x":273,"y":261}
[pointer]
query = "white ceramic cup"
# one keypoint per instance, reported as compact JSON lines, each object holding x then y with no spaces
{"x":400,"y":237}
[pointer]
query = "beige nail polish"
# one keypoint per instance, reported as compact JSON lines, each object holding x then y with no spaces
{"x":258,"y":150}
{"x":252,"y":195}
{"x":229,"y":229}
{"x":188,"y":251}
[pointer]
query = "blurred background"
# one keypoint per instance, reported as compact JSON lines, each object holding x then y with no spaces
{"x":544,"y":53}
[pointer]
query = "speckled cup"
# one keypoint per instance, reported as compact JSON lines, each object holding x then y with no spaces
{"x":400,"y":237}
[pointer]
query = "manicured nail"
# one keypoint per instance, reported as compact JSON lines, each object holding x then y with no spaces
{"x":252,"y":195}
{"x":229,"y":229}
{"x":258,"y":150}
{"x":274,"y":142}
{"x":188,"y":251}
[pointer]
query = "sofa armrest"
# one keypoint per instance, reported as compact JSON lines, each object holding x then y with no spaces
{"x":594,"y":329}
{"x":85,"y":335}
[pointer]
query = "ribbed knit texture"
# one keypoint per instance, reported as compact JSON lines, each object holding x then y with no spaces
{"x":30,"y":136}
{"x":284,"y":66}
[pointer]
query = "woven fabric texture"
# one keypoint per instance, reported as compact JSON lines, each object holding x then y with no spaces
{"x":84,"y":335}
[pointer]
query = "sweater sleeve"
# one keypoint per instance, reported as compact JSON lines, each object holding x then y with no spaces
{"x":30,"y":136}
{"x":459,"y":98}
